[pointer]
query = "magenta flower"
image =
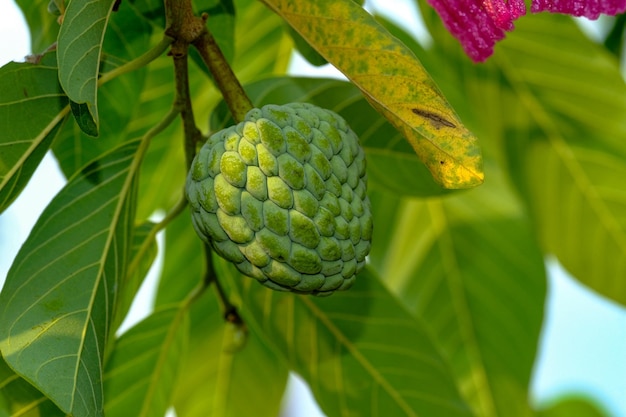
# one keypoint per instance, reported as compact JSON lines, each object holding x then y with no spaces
{"x":479,"y":24}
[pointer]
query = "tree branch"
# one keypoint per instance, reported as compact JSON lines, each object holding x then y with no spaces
{"x":236,"y":98}
{"x":193,"y":136}
{"x":184,"y":27}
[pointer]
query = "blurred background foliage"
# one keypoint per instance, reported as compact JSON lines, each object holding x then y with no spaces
{"x":449,"y":314}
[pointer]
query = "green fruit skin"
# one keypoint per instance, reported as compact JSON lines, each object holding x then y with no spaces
{"x":282,"y":195}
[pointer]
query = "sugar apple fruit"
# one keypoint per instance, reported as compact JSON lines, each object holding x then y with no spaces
{"x":282,"y":195}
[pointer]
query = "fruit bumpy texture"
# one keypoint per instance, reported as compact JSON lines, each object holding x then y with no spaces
{"x":282,"y":195}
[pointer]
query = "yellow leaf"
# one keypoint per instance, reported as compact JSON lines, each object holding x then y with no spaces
{"x":393,"y":81}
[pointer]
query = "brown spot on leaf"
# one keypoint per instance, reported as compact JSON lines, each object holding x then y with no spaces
{"x":437,"y":120}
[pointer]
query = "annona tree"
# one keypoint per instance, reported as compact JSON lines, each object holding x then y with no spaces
{"x":428,"y":245}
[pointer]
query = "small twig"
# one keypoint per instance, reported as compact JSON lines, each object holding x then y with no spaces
{"x":209,"y":276}
{"x":235,"y":96}
{"x":173,"y":213}
{"x":155,"y":130}
{"x":196,"y":293}
{"x":36,"y":58}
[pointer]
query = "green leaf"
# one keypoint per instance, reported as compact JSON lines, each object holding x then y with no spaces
{"x":221,"y":23}
{"x":142,"y":254}
{"x":391,"y":163}
{"x":222,"y":364}
{"x":359,"y":350}
{"x":79,"y":47}
{"x":552,"y":81}
{"x":143,"y":369}
{"x":20,"y":399}
{"x":468,"y":265}
{"x":216,"y":369}
{"x":262,"y":47}
{"x":164,"y":163}
{"x":32,"y":107}
{"x":56,"y":304}
{"x":393,"y":81}
{"x":152,"y":10}
{"x":562,"y":137}
{"x":572,"y":406}
{"x":118,"y":99}
{"x":614,"y":41}
{"x":183,"y":261}
{"x":578,"y":199}
{"x":566,"y":147}
{"x":85,"y":120}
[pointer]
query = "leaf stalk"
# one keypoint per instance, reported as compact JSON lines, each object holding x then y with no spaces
{"x":139,"y":62}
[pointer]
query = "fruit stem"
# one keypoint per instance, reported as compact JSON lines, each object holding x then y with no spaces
{"x":231,"y":314}
{"x":235,"y":96}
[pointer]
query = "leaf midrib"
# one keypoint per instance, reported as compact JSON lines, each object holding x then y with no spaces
{"x":34,"y":145}
{"x":460,"y":306}
{"x":360,"y":358}
{"x":163,"y":351}
{"x":124,"y":193}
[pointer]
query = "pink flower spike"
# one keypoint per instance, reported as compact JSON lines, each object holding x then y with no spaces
{"x":503,"y":13}
{"x":590,"y":9}
{"x":478,"y":24}
{"x":517,"y":8}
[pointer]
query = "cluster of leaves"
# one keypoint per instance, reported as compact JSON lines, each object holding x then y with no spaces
{"x":446,"y":318}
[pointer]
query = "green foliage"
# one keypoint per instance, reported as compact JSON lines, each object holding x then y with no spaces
{"x":575,"y":131}
{"x":571,"y":406}
{"x":445,"y":318}
{"x":59,"y":322}
{"x":31,"y":98}
{"x":79,"y":48}
{"x":152,"y":347}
